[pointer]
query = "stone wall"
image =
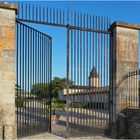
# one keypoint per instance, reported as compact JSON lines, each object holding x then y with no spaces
{"x":7,"y":71}
{"x":123,"y":61}
{"x":129,"y":123}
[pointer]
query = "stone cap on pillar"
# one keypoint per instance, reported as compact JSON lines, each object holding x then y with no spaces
{"x":9,"y":6}
{"x":125,"y":25}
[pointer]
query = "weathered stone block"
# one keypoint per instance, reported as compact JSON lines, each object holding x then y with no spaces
{"x":8,"y":32}
{"x":8,"y":98}
{"x":122,"y":125}
{"x":9,"y":132}
{"x":7,"y":76}
{"x":9,"y":14}
{"x":131,"y":123}
{"x":6,"y":43}
{"x":7,"y":22}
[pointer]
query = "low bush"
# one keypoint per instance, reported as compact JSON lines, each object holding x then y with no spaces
{"x":78,"y":105}
{"x":19,"y":102}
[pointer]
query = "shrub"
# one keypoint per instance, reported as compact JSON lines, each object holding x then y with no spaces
{"x":19,"y":102}
{"x":78,"y":105}
{"x":56,"y":104}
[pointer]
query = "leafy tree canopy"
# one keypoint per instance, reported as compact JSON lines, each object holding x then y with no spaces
{"x":58,"y":84}
{"x":41,"y":89}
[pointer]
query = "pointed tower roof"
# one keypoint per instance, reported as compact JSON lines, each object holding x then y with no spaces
{"x":94,"y":73}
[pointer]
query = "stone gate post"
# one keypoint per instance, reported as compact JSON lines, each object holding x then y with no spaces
{"x":123,"y":60}
{"x":7,"y":71}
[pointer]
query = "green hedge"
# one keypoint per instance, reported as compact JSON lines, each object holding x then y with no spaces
{"x":20,"y":102}
{"x":87,"y":105}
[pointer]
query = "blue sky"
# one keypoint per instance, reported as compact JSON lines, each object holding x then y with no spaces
{"x":123,"y":11}
{"x":128,"y":11}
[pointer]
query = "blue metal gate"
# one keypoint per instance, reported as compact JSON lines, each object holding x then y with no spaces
{"x":33,"y":77}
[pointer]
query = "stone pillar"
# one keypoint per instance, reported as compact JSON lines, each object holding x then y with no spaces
{"x":7,"y":71}
{"x":123,"y":69}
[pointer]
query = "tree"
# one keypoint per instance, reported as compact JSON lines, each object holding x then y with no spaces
{"x":58,"y":84}
{"x":18,"y":89}
{"x":42,"y":90}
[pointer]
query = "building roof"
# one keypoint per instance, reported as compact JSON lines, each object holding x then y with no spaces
{"x":94,"y":73}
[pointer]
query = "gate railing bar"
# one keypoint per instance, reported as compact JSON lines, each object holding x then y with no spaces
{"x":89,"y":29}
{"x":65,"y":26}
{"x":33,"y":29}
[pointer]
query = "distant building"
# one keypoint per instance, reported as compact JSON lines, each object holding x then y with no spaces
{"x":94,"y":78}
{"x":91,"y":93}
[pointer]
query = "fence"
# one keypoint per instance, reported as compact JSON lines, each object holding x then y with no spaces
{"x":33,"y":76}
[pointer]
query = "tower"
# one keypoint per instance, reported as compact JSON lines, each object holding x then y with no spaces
{"x":94,"y":78}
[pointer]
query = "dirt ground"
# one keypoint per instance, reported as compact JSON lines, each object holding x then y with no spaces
{"x":48,"y":136}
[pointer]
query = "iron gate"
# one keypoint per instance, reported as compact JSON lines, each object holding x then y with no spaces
{"x":33,"y":77}
{"x":88,"y":67}
{"x":87,"y":109}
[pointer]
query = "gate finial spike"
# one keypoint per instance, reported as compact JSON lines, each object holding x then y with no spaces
{"x":68,"y":14}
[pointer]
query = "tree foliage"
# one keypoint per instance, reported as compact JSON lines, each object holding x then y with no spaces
{"x":58,"y":84}
{"x":40,"y":90}
{"x":43,"y":89}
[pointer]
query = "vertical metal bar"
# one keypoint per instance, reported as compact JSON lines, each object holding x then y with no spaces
{"x":40,"y":14}
{"x":78,"y":72}
{"x":26,"y":13}
{"x":74,"y":112}
{"x":96,"y":66}
{"x":101,"y":70}
{"x":17,"y":74}
{"x":108,"y":64}
{"x":21,"y":38}
{"x":33,"y":72}
{"x":60,"y":11}
{"x":32,"y":81}
{"x":87,"y":64}
{"x":99,"y":65}
{"x":71,"y":72}
{"x":23,"y":57}
{"x":42,"y":64}
{"x":84,"y":66}
{"x":47,"y":15}
{"x":54,"y":15}
{"x":50,"y":15}
{"x":50,"y":74}
{"x":90,"y":88}
{"x":48,"y":84}
{"x":43,"y":12}
{"x":67,"y":77}
{"x":104,"y":73}
{"x":33,"y":13}
{"x":80,"y":66}
{"x":36,"y":13}
{"x":22,"y":10}
{"x":63,"y":17}
{"x":92,"y":66}
{"x":45,"y":86}
{"x":40,"y":93}
{"x":25,"y":77}
{"x":29,"y":13}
